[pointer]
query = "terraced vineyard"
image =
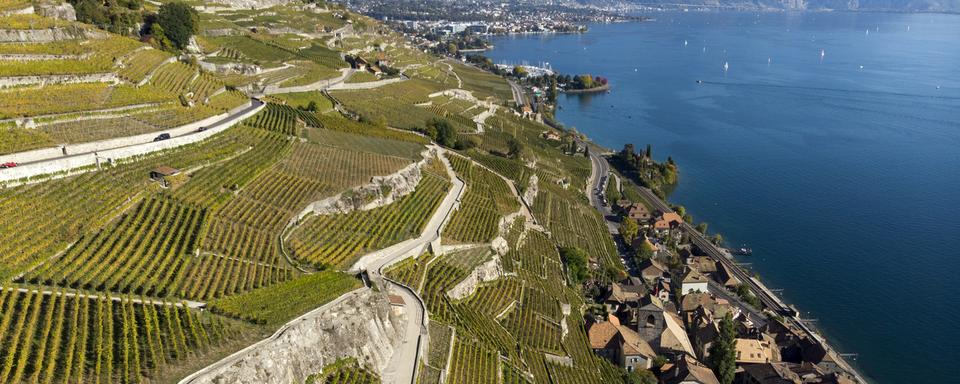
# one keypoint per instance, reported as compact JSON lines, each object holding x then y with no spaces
{"x":282,"y":302}
{"x":146,"y":252}
{"x":79,"y":338}
{"x":487,"y":199}
{"x":337,"y":240}
{"x":139,"y":64}
{"x":472,"y":364}
{"x":64,"y":98}
{"x":410,"y":271}
{"x":63,"y":210}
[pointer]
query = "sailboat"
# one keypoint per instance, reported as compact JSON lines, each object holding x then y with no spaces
{"x":684,"y":43}
{"x":769,"y":60}
{"x":868,"y":32}
{"x":822,"y":54}
{"x":726,"y":67}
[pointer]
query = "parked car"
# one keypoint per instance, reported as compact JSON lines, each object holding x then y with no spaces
{"x":163,"y":136}
{"x":201,"y":129}
{"x":8,"y":165}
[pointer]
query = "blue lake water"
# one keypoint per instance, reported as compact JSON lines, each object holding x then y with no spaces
{"x":844,"y":180}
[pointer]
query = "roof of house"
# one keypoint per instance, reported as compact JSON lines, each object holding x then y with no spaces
{"x":703,"y":264}
{"x":166,"y":171}
{"x":633,"y":344}
{"x":638,"y":209}
{"x":693,"y":300}
{"x":689,"y":370}
{"x":674,"y":337}
{"x":753,"y":351}
{"x":623,"y":294}
{"x":603,"y":333}
{"x":771,"y":373}
{"x":692,"y":276}
{"x":396,"y":300}
{"x":651,"y":266}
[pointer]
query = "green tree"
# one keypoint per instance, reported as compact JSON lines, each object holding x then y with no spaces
{"x":723,"y":351}
{"x":159,"y":38}
{"x":519,"y":71}
{"x":179,"y":21}
{"x":552,"y":91}
{"x":642,"y":376}
{"x":645,"y":252}
{"x":576,"y":261}
{"x":515,"y":148}
{"x":443,"y":132}
{"x":702,"y":227}
{"x":649,"y":152}
{"x":629,"y":230}
{"x":452,"y":49}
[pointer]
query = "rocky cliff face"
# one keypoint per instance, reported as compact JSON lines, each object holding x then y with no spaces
{"x":62,"y":11}
{"x":362,"y":325}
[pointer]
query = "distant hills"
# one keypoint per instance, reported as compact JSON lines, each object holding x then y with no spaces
{"x":840,"y":5}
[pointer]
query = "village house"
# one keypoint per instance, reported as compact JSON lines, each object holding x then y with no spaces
{"x":753,"y":351}
{"x":660,"y":327}
{"x":639,"y":212}
{"x":621,"y":296}
{"x":667,"y":222}
{"x":651,"y":270}
{"x":703,"y":264}
{"x":688,"y":371}
{"x":724,"y":277}
{"x":620,"y":344}
{"x":693,"y":281}
{"x":551,"y":135}
{"x":397,"y":305}
{"x":162,"y":174}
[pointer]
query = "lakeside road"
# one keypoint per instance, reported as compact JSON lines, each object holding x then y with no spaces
{"x":600,"y":167}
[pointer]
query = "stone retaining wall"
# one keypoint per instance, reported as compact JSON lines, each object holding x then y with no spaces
{"x":59,"y":79}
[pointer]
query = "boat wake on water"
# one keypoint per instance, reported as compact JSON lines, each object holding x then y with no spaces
{"x":827,"y":89}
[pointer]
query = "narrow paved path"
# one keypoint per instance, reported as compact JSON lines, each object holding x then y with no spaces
{"x":47,"y":292}
{"x":405,"y":360}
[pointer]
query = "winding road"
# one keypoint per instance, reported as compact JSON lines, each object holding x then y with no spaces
{"x":405,"y":360}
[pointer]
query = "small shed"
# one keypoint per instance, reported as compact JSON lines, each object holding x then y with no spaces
{"x":161,"y":173}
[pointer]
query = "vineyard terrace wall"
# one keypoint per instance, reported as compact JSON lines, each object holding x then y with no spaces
{"x":381,"y":191}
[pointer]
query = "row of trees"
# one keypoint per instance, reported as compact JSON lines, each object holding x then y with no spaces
{"x":169,"y":29}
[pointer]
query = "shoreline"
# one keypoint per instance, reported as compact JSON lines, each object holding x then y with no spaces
{"x":602,"y":88}
{"x":794,"y":320}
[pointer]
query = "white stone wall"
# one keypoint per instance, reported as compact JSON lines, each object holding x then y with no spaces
{"x":59,"y":79}
{"x":47,"y":35}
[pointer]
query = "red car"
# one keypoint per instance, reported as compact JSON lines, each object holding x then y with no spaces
{"x":8,"y":165}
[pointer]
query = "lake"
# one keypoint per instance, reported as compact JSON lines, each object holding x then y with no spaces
{"x":830,"y":145}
